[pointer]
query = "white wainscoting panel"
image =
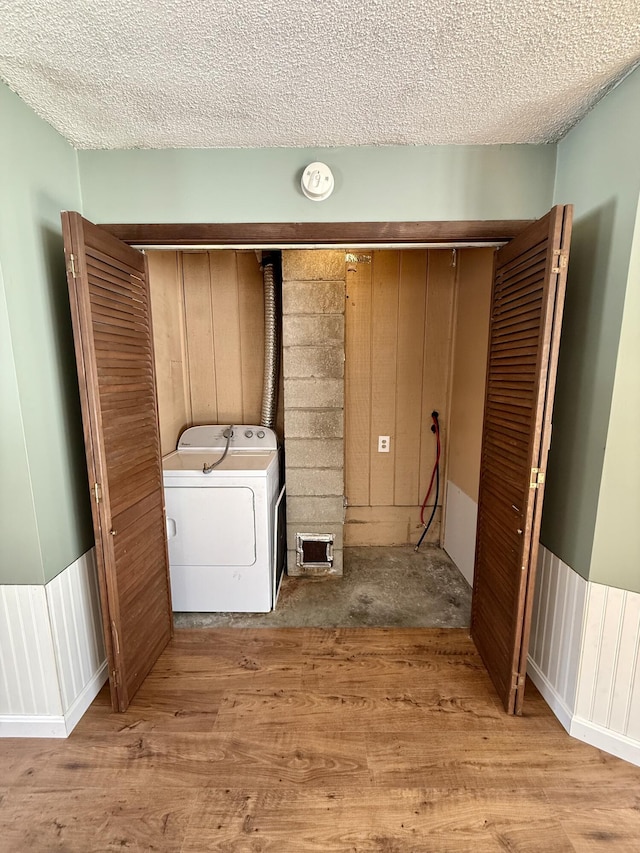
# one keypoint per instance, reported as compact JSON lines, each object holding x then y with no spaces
{"x":608,"y":698}
{"x":52,"y":657}
{"x":74,"y":610}
{"x":28,"y":678}
{"x":461,"y":520}
{"x":584,"y":657}
{"x":556,"y":633}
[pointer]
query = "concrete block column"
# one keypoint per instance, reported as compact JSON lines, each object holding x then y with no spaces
{"x":313,"y":301}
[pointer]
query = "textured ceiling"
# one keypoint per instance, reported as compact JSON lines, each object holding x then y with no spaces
{"x":256,"y":73}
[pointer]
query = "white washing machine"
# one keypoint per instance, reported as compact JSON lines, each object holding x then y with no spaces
{"x":224,"y":527}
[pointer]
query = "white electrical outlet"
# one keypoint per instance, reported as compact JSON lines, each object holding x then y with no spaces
{"x":384,"y":442}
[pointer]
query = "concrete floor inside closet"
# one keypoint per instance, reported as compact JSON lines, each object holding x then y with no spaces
{"x":381,"y":587}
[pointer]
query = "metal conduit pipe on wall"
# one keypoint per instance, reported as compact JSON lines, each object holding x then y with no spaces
{"x":271,"y":348}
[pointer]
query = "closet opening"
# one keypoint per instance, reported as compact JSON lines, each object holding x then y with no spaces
{"x":374,"y":343}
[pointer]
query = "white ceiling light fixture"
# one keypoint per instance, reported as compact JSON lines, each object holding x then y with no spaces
{"x":317,"y":181}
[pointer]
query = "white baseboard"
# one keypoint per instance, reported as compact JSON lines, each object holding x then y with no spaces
{"x":90,"y":691}
{"x":54,"y":725}
{"x":550,"y":695}
{"x":30,"y":725}
{"x":616,"y":744}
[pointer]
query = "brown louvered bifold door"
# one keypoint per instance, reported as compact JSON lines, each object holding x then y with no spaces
{"x":526,"y":315}
{"x":109,"y":297}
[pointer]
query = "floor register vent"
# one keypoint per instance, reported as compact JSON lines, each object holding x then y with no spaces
{"x":314,"y":550}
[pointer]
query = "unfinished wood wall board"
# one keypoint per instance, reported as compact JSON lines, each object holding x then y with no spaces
{"x":357,"y":379}
{"x":471,"y":341}
{"x":412,"y":298}
{"x":437,"y":361}
{"x":388,"y":525}
{"x":251,"y":318}
{"x":208,"y":328}
{"x":385,"y":283}
{"x":225,"y":330}
{"x":199,"y":338}
{"x":172,"y":374}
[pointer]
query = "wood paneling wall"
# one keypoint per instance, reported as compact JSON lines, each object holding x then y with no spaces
{"x":469,"y":368}
{"x":398,"y":333}
{"x":208,"y":328}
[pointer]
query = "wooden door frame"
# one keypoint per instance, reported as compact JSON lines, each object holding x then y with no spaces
{"x":301,"y":233}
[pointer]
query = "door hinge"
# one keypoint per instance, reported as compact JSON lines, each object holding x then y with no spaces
{"x":71,"y":268}
{"x":518,"y":680}
{"x":560,"y":260}
{"x":114,"y":635}
{"x":114,"y":677}
{"x":537,"y":478}
{"x":97,"y":491}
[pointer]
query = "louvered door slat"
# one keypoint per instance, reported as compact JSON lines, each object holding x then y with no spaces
{"x":518,"y":278}
{"x":102,"y":250}
{"x":122,"y":281}
{"x":108,"y":332}
{"x":514,"y":280}
{"x":528,"y":295}
{"x":114,"y":308}
{"x":114,"y":348}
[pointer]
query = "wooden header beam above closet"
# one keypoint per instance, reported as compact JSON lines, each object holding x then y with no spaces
{"x":292,"y":233}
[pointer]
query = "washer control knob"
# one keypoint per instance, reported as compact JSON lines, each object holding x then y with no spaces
{"x":248,"y":433}
{"x":260,"y":433}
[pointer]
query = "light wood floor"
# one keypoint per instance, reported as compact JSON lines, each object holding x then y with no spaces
{"x":300,"y":740}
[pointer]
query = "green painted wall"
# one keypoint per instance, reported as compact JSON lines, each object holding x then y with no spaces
{"x":50,"y":519}
{"x":598,"y":169}
{"x":372,"y":184}
{"x":19,"y":545}
{"x":616,"y":546}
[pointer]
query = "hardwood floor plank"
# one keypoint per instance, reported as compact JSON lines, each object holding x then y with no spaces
{"x":295,"y":757}
{"x":193,"y":760}
{"x":502,"y":759}
{"x":95,"y":819}
{"x":176,"y":708}
{"x":230,"y":658}
{"x":374,"y":821}
{"x":417,"y":642}
{"x":608,"y":820}
{"x":223,"y":641}
{"x":143,"y":760}
{"x":367,"y":711}
{"x":364,"y":671}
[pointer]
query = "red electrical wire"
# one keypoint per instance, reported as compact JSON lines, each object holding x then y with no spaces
{"x":434,"y":418}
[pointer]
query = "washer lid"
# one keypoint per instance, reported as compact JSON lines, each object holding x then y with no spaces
{"x":191,"y":462}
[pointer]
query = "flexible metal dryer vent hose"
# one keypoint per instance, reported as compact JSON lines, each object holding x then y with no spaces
{"x":271,"y":349}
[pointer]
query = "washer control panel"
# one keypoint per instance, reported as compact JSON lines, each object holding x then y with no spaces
{"x":214,"y":437}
